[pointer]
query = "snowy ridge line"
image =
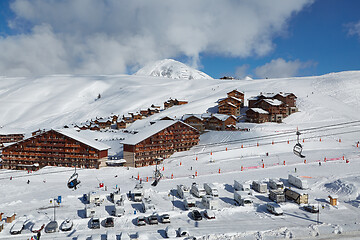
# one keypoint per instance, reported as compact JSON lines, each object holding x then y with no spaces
{"x":254,"y":167}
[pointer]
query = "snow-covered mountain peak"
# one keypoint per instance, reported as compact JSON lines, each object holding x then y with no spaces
{"x":171,"y":69}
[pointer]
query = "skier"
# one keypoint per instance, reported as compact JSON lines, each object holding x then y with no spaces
{"x":11,"y":178}
{"x":38,"y":235}
{"x":319,"y":164}
{"x":28,"y":181}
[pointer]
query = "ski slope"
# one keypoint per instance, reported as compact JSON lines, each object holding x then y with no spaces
{"x":325,"y":104}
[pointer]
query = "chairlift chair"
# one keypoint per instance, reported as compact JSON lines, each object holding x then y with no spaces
{"x":298,"y":147}
{"x":73,"y":181}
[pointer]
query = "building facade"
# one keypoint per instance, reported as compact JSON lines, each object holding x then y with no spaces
{"x":11,"y":137}
{"x":54,"y":148}
{"x":159,"y":141}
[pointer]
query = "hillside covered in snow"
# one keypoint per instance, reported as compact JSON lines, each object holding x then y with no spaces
{"x":328,"y":119}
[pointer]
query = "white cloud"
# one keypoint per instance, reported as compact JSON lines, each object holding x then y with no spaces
{"x":111,"y":36}
{"x":279,"y":68}
{"x":354,"y":28}
{"x":242,"y":71}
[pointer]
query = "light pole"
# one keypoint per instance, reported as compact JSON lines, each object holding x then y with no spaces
{"x":318,"y":214}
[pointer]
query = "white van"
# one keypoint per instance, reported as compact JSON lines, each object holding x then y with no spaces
{"x":240,"y":186}
{"x":182,"y":190}
{"x":274,"y":208}
{"x":275,"y":183}
{"x":189,"y":202}
{"x":242,"y":198}
{"x":211,"y":189}
{"x":197,"y":191}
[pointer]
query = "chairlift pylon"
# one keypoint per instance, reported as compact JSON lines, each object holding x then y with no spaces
{"x":298,"y":147}
{"x":73,"y":181}
{"x":157,"y":174}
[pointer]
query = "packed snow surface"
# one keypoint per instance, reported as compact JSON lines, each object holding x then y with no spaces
{"x":328,"y":119}
{"x":170,"y":68}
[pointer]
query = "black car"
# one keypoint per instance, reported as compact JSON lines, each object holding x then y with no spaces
{"x":196,"y":215}
{"x":94,"y":223}
{"x":311,"y":208}
{"x":109,"y":222}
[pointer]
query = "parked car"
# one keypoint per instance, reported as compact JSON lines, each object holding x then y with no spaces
{"x":183,"y":232}
{"x":165,"y":218}
{"x":51,"y":227}
{"x":140,"y":221}
{"x":152,"y":219}
{"x":311,"y":208}
{"x":95,"y":237}
{"x":274,"y":208}
{"x":17,"y":227}
{"x":209,"y":214}
{"x":109,"y":222}
{"x":94,"y":223}
{"x":66,"y":225}
{"x":196,"y":215}
{"x":170,"y":232}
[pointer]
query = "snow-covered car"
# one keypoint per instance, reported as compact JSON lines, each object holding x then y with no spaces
{"x":17,"y":227}
{"x":37,"y":226}
{"x":140,"y":221}
{"x":196,"y":215}
{"x":274,"y":208}
{"x":209,"y":214}
{"x":165,"y":218}
{"x":94,"y":223}
{"x":51,"y":227}
{"x":152,"y":219}
{"x":109,"y":222}
{"x":183,"y":232}
{"x":170,"y":232}
{"x":95,"y":237}
{"x":66,"y":225}
{"x":311,"y":208}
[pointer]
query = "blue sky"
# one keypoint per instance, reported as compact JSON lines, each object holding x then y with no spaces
{"x":237,"y":38}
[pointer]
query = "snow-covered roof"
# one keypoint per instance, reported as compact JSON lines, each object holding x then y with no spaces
{"x":259,"y":110}
{"x":7,"y":131}
{"x":186,"y":116}
{"x":222,"y":117}
{"x":150,"y":130}
{"x":284,"y":94}
{"x":228,"y":103}
{"x":273,"y":102}
{"x":83,"y":139}
{"x":237,"y":99}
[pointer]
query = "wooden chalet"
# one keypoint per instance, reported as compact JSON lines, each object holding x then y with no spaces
{"x":10,"y":137}
{"x":229,"y":108}
{"x":173,"y":102}
{"x":136,"y":116}
{"x":103,"y":123}
{"x":289,"y":99}
{"x":237,"y":94}
{"x":277,"y":109}
{"x":122,"y":124}
{"x":257,"y":115}
{"x":63,"y":148}
{"x":220,"y":121}
{"x":194,"y":120}
{"x":159,"y":140}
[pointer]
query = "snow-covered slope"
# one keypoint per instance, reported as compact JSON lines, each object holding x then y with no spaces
{"x":171,"y":69}
{"x":54,"y":101}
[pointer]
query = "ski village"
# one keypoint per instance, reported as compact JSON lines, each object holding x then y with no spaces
{"x":170,"y":152}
